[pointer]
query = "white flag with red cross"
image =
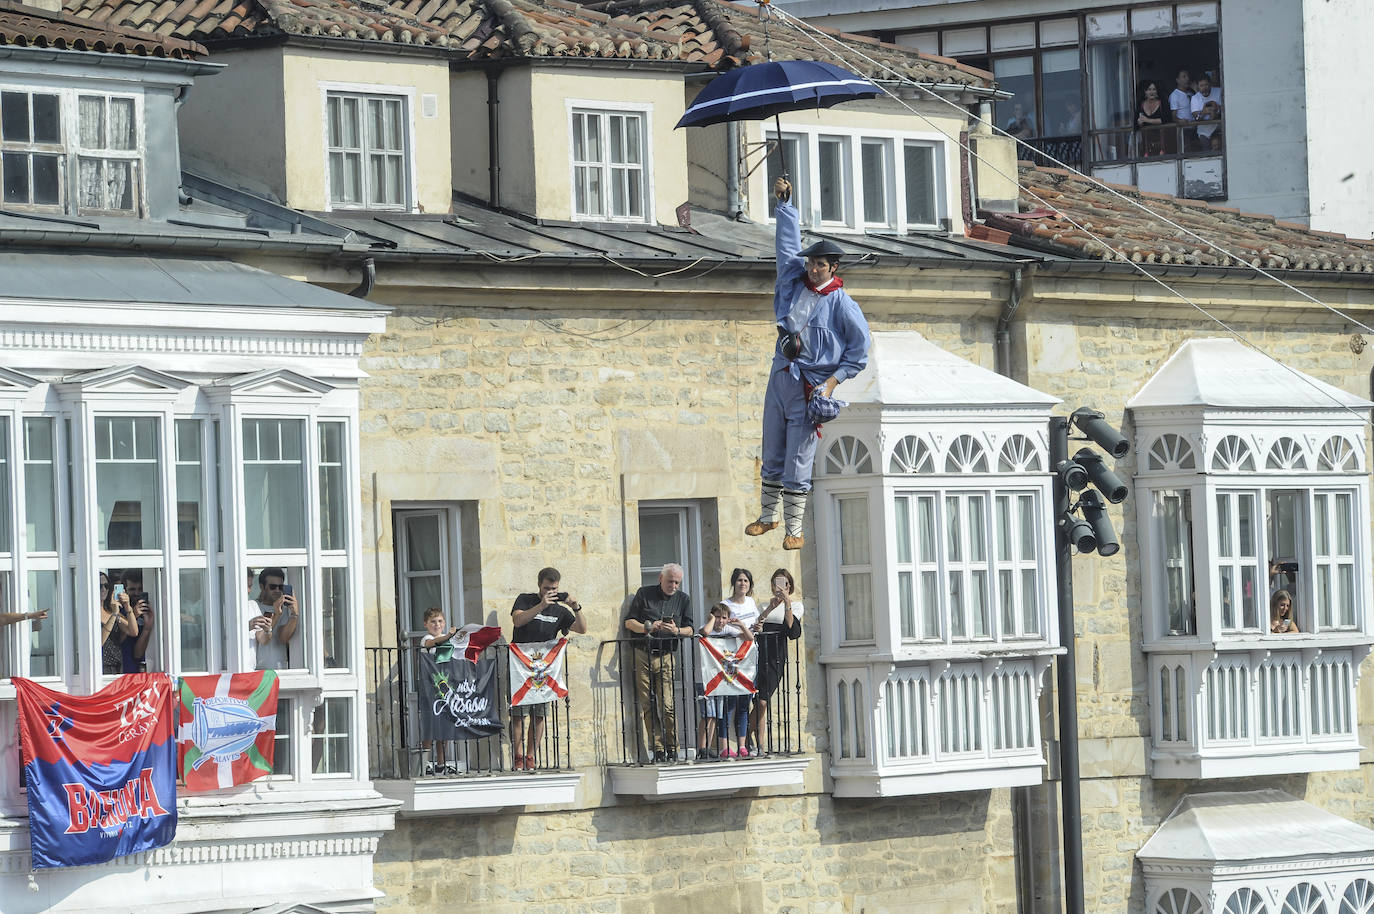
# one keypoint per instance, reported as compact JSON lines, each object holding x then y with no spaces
{"x":536,"y":672}
{"x":728,"y":665}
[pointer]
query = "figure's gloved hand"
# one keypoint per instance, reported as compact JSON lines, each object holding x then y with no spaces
{"x":782,"y":189}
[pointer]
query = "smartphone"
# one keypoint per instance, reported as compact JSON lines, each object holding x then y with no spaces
{"x":118,"y":591}
{"x":560,"y":597}
{"x":288,"y":590}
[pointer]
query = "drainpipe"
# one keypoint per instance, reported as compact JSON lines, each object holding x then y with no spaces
{"x":183,"y":198}
{"x":364,"y":288}
{"x":493,"y":139}
{"x":1002,"y":352}
{"x":733,"y":204}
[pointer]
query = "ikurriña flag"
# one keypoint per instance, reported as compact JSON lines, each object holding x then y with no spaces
{"x":728,"y":665}
{"x":228,"y":728}
{"x":100,"y":770}
{"x":536,"y":672}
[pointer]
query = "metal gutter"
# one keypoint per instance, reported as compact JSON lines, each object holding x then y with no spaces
{"x":112,"y":61}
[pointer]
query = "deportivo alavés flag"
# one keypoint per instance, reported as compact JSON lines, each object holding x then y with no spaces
{"x":728,"y":665}
{"x":100,"y":770}
{"x":536,"y":672}
{"x":457,"y":697}
{"x":228,"y":728}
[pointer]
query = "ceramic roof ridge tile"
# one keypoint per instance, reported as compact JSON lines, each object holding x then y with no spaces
{"x":32,"y":26}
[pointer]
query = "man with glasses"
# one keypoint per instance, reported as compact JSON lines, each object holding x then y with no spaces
{"x":277,"y":617}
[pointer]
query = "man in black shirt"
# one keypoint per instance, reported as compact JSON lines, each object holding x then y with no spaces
{"x":539,"y":617}
{"x":660,"y":614}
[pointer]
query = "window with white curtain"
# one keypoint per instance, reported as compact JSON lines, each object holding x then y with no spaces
{"x":368,"y":156}
{"x":609,"y":165}
{"x":107,"y":153}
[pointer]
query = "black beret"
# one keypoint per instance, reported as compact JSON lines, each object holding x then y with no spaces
{"x":825,"y":248}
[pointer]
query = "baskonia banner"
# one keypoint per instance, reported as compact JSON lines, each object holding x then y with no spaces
{"x":457,"y":697}
{"x":100,"y":770}
{"x":728,"y":665}
{"x":227,"y":728}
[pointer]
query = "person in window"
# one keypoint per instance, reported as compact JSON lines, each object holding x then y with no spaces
{"x":538,"y":617}
{"x":1281,"y":621}
{"x":822,"y":340}
{"x":1072,"y":124}
{"x":1181,"y":106}
{"x":274,"y":625}
{"x":1020,"y":125}
{"x":1205,"y":105}
{"x":778,"y":623}
{"x":1150,"y":117}
{"x":135,"y":651}
{"x":118,"y":624}
{"x":660,"y":614}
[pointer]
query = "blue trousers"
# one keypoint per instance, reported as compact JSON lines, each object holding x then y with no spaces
{"x":789,"y":441}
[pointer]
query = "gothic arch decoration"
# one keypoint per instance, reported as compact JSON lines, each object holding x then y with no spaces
{"x":847,"y":457}
{"x":1338,"y":455}
{"x":1245,"y":900}
{"x":1171,"y":452}
{"x":1233,"y":455}
{"x":1018,"y":455}
{"x":1358,"y":898}
{"x":966,"y":455}
{"x":1303,"y":898}
{"x":1179,"y":901}
{"x":911,"y":455}
{"x":1286,"y":454}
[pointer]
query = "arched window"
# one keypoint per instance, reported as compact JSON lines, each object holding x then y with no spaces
{"x":911,"y":455}
{"x":1018,"y":456}
{"x":1286,"y":454}
{"x":1338,"y":456}
{"x":1171,"y":452}
{"x":1179,"y":901}
{"x":966,"y":455}
{"x":1245,"y":900}
{"x":847,"y":456}
{"x":1303,"y":898}
{"x":1233,"y":455}
{"x":1358,"y":898}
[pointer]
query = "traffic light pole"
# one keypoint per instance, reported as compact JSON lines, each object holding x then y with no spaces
{"x":1071,"y":806}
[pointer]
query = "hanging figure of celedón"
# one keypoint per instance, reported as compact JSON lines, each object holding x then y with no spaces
{"x":822,"y":340}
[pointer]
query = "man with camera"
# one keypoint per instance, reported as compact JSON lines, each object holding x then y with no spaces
{"x":135,"y":650}
{"x":278,"y":616}
{"x":662,"y":614}
{"x":539,"y":617}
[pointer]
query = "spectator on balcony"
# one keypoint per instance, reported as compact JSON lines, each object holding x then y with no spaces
{"x":1181,"y":106}
{"x":118,"y":624}
{"x":135,"y":650}
{"x":1206,"y":106}
{"x":778,"y":623}
{"x":743,"y":609}
{"x":1150,"y":118}
{"x":660,"y":615}
{"x":1072,"y":124}
{"x":724,"y":723}
{"x":1020,"y":125}
{"x":1281,"y":621}
{"x":438,"y":640}
{"x":276,"y":620}
{"x":538,"y":617}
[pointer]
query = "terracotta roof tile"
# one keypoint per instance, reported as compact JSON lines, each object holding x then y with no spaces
{"x":1133,"y":235}
{"x":33,"y":27}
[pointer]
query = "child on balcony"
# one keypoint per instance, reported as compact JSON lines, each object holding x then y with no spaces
{"x":439,"y":643}
{"x":714,"y":729}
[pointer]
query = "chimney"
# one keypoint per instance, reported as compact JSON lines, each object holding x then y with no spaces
{"x":994,"y":168}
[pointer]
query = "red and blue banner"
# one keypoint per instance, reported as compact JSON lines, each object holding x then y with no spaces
{"x":228,"y":728}
{"x":100,"y":770}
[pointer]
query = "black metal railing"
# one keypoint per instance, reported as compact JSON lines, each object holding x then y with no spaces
{"x":663,"y":714}
{"x":397,"y":752}
{"x":1052,"y":149}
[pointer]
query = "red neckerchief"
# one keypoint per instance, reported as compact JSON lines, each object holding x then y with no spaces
{"x":830,"y":286}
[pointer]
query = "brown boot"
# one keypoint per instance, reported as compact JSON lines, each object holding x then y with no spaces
{"x":793,"y":542}
{"x":793,"y":510}
{"x":770,"y":495}
{"x":759,"y":528}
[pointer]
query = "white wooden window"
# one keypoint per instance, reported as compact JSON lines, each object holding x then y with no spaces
{"x":877,"y":181}
{"x":31,"y":148}
{"x":856,"y":569}
{"x":921,"y":167}
{"x":369,"y":162}
{"x":1174,"y":511}
{"x":331,"y":737}
{"x":671,"y":532}
{"x":609,"y":165}
{"x":917,"y":567}
{"x":1333,"y":548}
{"x":429,"y":567}
{"x":107,"y":153}
{"x":1238,"y":565}
{"x":1018,"y":565}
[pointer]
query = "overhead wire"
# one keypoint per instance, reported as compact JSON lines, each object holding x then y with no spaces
{"x":806,"y":28}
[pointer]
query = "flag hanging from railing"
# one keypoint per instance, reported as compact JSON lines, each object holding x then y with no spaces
{"x":536,"y":672}
{"x":457,"y":697}
{"x":472,"y":639}
{"x":728,"y":665}
{"x":228,"y":728}
{"x":100,"y":770}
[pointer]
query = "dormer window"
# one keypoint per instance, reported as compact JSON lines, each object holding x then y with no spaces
{"x":369,"y":156}
{"x":609,"y":162}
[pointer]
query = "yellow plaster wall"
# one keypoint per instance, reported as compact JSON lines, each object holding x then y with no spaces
{"x":303,"y":72}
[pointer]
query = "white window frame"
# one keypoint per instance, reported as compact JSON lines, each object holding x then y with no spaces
{"x":371,"y":90}
{"x":70,"y":150}
{"x":448,"y":515}
{"x":688,"y":515}
{"x":807,"y":185}
{"x":603,"y":108}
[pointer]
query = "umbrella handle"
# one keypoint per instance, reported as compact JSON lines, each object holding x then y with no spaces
{"x":782,"y":149}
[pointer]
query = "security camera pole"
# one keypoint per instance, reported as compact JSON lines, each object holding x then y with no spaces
{"x":1088,"y":533}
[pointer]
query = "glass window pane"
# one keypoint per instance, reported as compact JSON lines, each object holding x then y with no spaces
{"x":122,"y":125}
{"x":14,"y":117}
{"x":1030,"y":603}
{"x":274,"y":485}
{"x":283,"y":749}
{"x":1027,"y":512}
{"x":791,"y":151}
{"x":40,"y":486}
{"x":91,"y":111}
{"x":616,"y":135}
{"x":579,"y":139}
{"x":14,"y":172}
{"x":1323,"y":582}
{"x":1345,"y":594}
{"x":925,"y":518}
{"x":331,"y":737}
{"x":594,"y":122}
{"x":1003,"y":532}
{"x":957,"y":625}
{"x":953,"y":551}
{"x":423,"y":542}
{"x":334,"y":610}
{"x":873,"y":162}
{"x":1062,"y":91}
{"x":47,"y":123}
{"x":1250,"y":590}
{"x":1006,"y":597}
{"x":1224,"y":547}
{"x":831,"y":168}
{"x":1109,"y":78}
{"x":919,"y":165}
{"x":1245,"y":516}
{"x":858,"y":606}
{"x":1017,"y":115}
{"x":930,"y":604}
{"x":901,"y":509}
{"x":1344,"y":525}
{"x":978,"y":604}
{"x":195,"y":653}
{"x":333,"y":487}
{"x":633,"y":125}
{"x":128,"y":493}
{"x":854,"y":546}
{"x":660,"y":541}
{"x":977,"y":532}
{"x":90,"y":184}
{"x":425,"y":591}
{"x":1228,"y":596}
{"x":47,"y":186}
{"x":906,"y":600}
{"x":43,"y":634}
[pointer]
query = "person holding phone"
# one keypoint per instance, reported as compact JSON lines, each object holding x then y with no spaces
{"x":778,"y":623}
{"x":538,"y":617}
{"x":277,"y":616}
{"x":135,"y":650}
{"x":117,"y":625}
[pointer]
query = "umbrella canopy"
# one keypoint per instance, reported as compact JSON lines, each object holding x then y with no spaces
{"x":766,"y":89}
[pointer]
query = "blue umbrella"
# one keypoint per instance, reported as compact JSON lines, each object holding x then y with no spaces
{"x":767,"y":89}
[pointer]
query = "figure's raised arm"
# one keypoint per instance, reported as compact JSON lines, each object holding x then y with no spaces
{"x":788,"y":233}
